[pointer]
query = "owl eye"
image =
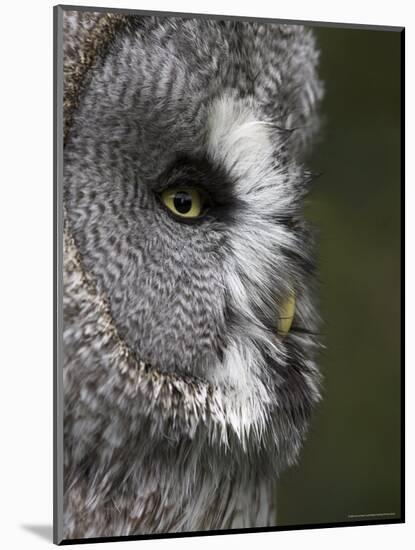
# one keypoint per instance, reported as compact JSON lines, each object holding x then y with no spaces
{"x":184,"y":202}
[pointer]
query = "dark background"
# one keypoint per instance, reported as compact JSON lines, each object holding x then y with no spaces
{"x":351,"y":460}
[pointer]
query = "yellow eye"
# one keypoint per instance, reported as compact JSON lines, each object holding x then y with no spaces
{"x":184,"y":202}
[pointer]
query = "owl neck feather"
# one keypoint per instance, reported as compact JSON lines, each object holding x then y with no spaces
{"x":135,"y":464}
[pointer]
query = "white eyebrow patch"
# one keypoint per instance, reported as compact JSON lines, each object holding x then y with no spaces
{"x":241,"y":143}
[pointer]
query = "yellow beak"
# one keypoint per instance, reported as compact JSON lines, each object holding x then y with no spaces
{"x":286,"y":316}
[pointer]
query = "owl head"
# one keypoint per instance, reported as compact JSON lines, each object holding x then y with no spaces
{"x":189,"y":262}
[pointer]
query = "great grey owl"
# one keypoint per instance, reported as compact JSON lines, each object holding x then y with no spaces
{"x":189,"y":318}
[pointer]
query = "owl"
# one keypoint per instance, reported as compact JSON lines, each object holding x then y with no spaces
{"x":189,"y":318}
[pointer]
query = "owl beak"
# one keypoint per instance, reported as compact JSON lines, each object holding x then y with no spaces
{"x":286,"y":316}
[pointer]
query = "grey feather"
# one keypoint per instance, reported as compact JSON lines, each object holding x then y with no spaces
{"x":182,"y":402}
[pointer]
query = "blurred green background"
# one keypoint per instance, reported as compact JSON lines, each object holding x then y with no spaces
{"x":351,"y":461}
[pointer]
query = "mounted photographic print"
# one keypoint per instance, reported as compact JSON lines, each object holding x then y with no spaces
{"x":228,"y":217}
